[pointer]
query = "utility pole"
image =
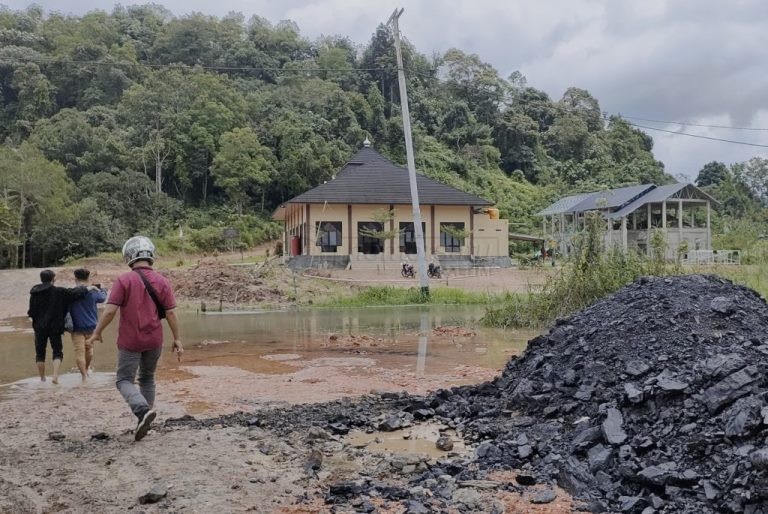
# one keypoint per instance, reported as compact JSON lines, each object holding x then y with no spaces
{"x":417,"y":228}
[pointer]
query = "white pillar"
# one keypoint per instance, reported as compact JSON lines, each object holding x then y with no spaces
{"x":709,"y":227}
{"x":624,"y":233}
{"x":648,"y":238}
{"x":664,"y":214}
{"x":679,"y":222}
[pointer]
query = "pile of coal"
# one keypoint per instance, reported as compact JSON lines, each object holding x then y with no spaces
{"x":651,"y":400}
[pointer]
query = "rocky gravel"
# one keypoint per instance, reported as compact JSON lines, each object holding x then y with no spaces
{"x":650,"y":400}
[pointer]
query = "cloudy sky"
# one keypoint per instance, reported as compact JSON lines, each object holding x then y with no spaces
{"x":695,"y":61}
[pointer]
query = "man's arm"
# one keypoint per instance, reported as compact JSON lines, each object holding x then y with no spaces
{"x":173,"y":323}
{"x":73,"y":294}
{"x":106,"y":318}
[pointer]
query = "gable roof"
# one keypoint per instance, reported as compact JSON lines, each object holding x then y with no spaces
{"x":612,"y":198}
{"x":622,"y":201}
{"x":660,"y":194}
{"x":369,"y":177}
{"x":564,"y":204}
{"x":609,"y":199}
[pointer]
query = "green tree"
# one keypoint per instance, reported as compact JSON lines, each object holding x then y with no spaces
{"x":243,"y":167}
{"x":475,"y":82}
{"x":34,"y":96}
{"x":713,"y":173}
{"x":580,"y":103}
{"x":82,"y":230}
{"x":36,"y":189}
{"x":754,"y":174}
{"x":517,"y":137}
{"x":129,"y":199}
{"x":84,"y":142}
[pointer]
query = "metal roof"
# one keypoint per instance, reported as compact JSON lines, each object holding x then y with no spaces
{"x":658,"y":194}
{"x":617,"y":203}
{"x":369,"y":177}
{"x":564,"y":204}
{"x":612,"y":198}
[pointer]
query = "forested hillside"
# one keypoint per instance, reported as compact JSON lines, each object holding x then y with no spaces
{"x":141,"y":121}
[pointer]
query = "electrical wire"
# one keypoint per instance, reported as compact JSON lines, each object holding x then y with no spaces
{"x":699,"y":136}
{"x":758,"y":129}
{"x":5,"y":60}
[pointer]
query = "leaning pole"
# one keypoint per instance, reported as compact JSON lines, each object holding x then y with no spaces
{"x":417,"y":228}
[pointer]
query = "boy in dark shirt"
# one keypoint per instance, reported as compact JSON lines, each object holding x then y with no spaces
{"x":48,"y":305}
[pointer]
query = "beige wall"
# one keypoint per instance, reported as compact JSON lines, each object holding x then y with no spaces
{"x":489,"y":236}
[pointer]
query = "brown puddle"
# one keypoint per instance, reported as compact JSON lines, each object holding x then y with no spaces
{"x":418,"y":439}
{"x":403,"y":346}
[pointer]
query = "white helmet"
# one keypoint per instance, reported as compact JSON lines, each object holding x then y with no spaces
{"x":138,"y":248}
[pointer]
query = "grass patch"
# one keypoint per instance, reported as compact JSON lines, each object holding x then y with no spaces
{"x":388,"y":295}
{"x":593,"y":274}
{"x":754,"y":276}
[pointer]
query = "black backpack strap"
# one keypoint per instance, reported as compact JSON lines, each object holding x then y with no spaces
{"x":152,"y":294}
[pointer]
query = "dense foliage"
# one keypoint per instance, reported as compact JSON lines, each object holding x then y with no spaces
{"x":177,"y":127}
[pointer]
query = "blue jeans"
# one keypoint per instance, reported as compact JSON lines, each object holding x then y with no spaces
{"x":140,"y":399}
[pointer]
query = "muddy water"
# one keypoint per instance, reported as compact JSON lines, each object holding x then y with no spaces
{"x":266,"y":343}
{"x":418,"y":439}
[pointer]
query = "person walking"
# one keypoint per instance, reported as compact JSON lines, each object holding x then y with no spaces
{"x":84,"y":316}
{"x":48,"y":305}
{"x":144,"y":298}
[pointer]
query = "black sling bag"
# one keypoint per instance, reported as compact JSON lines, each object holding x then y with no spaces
{"x":152,"y":294}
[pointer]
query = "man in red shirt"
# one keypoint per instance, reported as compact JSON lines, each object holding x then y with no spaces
{"x":144,"y":298}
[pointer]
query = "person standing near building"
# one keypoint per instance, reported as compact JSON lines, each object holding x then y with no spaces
{"x":144,"y":298}
{"x":84,"y":317}
{"x":48,"y":305}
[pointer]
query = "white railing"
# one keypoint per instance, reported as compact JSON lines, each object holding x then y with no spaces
{"x":696,"y":257}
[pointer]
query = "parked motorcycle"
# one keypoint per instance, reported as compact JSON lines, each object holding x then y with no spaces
{"x":407,"y":271}
{"x":433,"y":271}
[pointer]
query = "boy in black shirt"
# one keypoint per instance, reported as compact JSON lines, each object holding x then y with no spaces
{"x":48,"y":305}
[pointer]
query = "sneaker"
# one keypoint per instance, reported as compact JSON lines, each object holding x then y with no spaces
{"x":144,"y":424}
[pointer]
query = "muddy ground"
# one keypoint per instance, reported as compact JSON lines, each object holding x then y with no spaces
{"x":232,"y":283}
{"x":71,"y":448}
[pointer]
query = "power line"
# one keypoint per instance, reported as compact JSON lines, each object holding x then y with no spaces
{"x":760,"y":129}
{"x":6,"y":60}
{"x":699,"y":136}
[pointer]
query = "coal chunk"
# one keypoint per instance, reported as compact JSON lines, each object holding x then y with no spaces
{"x":391,"y":424}
{"x":723,"y":305}
{"x":444,"y":443}
{"x":523,"y":478}
{"x":612,"y":427}
{"x":544,"y":496}
{"x":636,"y":368}
{"x":154,"y":495}
{"x":599,"y":457}
{"x":759,"y":458}
{"x":730,"y":388}
{"x":634,"y":395}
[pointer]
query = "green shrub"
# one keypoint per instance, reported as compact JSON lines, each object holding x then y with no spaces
{"x":593,"y":274}
{"x":388,"y":295}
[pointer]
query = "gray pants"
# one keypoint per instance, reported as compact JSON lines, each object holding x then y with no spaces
{"x":145,"y":363}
